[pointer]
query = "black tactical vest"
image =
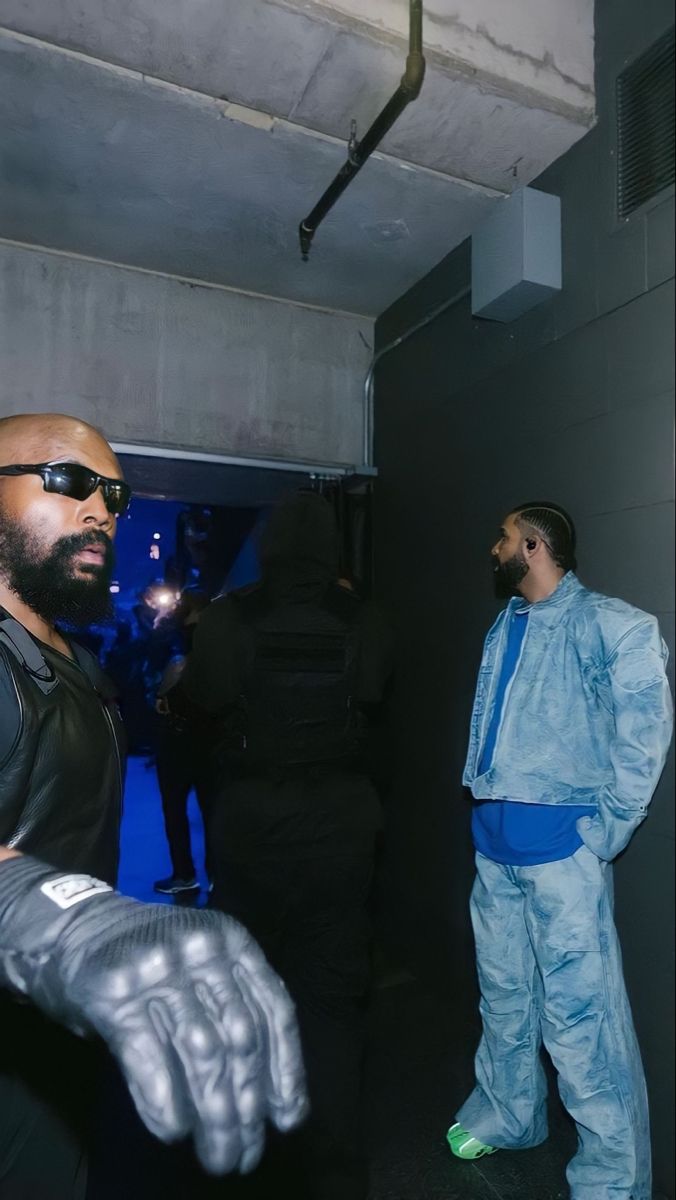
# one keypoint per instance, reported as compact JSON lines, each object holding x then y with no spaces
{"x":61,"y":785}
{"x":298,"y":698}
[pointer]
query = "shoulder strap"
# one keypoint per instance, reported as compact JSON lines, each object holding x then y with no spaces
{"x":91,"y":667}
{"x":27,"y":653}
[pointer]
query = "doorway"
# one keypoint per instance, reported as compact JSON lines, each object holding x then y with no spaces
{"x":193,"y":527}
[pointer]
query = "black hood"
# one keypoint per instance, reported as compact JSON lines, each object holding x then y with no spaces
{"x":300,"y":542}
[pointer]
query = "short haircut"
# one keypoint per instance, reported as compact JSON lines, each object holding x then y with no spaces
{"x":554,"y":525}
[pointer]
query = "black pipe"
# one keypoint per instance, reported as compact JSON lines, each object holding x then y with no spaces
{"x":408,"y":90}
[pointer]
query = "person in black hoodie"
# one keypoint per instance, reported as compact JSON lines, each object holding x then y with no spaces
{"x":288,"y":673}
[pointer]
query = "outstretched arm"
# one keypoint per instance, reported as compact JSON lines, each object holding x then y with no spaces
{"x":203,"y":1029}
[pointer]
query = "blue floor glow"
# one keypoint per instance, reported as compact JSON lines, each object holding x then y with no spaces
{"x":144,"y":854}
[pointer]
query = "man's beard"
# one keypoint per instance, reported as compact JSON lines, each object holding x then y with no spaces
{"x":508,"y":575}
{"x":48,"y":583}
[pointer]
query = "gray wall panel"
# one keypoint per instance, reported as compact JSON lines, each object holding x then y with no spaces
{"x":620,"y":265}
{"x":640,"y":341}
{"x":660,"y":243}
{"x":629,"y":553}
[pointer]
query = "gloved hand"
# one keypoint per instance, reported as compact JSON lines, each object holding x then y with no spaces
{"x":202,"y":1027}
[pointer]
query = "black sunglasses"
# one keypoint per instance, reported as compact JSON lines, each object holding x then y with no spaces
{"x":76,"y":481}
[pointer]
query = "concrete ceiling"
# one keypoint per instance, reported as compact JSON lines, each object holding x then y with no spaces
{"x":192,"y":138}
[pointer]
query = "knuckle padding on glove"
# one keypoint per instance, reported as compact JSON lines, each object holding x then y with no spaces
{"x":51,"y":948}
{"x":163,"y":986}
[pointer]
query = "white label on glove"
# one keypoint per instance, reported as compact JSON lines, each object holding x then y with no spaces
{"x":68,"y":890}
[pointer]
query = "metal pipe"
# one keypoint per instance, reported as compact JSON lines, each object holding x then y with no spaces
{"x":403,"y":337}
{"x":358,"y":152}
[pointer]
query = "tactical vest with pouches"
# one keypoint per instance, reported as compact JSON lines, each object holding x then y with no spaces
{"x":298,"y":704}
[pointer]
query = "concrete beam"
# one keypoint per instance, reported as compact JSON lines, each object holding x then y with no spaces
{"x":159,"y":361}
{"x":520,"y":72}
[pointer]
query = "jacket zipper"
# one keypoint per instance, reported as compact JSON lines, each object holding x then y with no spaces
{"x":118,"y":758}
{"x":111,"y":727}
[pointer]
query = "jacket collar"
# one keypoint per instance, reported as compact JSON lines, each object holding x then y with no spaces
{"x":565,"y":591}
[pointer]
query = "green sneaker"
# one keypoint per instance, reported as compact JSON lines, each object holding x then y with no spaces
{"x":463,"y":1145}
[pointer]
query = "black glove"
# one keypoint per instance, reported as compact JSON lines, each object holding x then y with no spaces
{"x":202,"y":1027}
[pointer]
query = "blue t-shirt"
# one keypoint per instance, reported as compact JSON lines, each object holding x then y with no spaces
{"x":509,"y":832}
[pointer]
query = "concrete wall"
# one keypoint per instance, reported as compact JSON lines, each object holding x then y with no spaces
{"x":534,"y":44}
{"x":537,"y":44}
{"x":574,"y":401}
{"x":154,"y":360}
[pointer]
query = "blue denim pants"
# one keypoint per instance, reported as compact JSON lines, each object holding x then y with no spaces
{"x":550,"y":971}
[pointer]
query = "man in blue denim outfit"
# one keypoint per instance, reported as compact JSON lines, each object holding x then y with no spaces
{"x":571,"y":725}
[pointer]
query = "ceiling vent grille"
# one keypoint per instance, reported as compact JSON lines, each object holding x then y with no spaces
{"x":645,"y":126}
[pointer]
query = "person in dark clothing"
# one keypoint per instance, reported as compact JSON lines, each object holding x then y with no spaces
{"x":287,"y":673}
{"x":202,"y":1030}
{"x":180,"y":758}
{"x":198,"y":558}
{"x":123,"y":664}
{"x":157,"y":640}
{"x":119,"y":661}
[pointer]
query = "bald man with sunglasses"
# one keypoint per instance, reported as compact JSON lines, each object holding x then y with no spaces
{"x":202,"y":1029}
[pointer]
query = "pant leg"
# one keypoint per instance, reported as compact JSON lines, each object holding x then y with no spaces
{"x":174,"y":776}
{"x":309,"y":912}
{"x":309,"y":918}
{"x":205,"y":791}
{"x":588,"y":1028}
{"x":329,"y":970}
{"x":508,"y":1105}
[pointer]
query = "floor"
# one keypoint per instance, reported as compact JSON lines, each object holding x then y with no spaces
{"x":144,"y":856}
{"x":419,"y":1066}
{"x":419,"y":1070}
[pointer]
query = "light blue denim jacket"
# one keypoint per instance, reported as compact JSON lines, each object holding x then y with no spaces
{"x":587,"y":717}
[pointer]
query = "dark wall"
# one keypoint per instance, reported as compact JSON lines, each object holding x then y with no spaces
{"x":573,"y":402}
